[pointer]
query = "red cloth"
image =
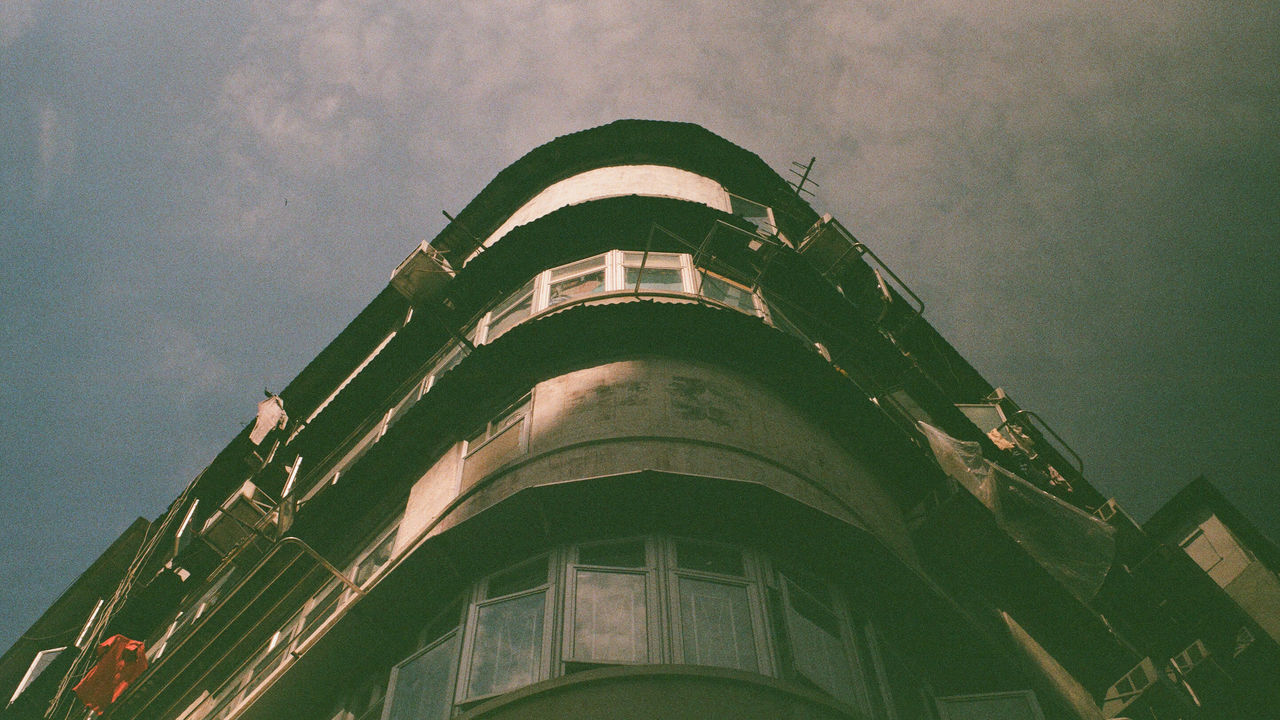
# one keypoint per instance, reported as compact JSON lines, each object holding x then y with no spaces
{"x":120,"y":662}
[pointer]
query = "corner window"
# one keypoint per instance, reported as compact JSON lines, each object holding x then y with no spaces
{"x":507,"y":627}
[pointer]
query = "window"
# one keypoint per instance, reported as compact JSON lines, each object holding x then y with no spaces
{"x":609,"y":601}
{"x":1019,"y":705}
{"x":576,"y":280}
{"x":714,"y":287}
{"x":420,"y":686}
{"x":816,"y":637}
{"x":640,"y":600}
{"x":507,"y":628}
{"x":713,"y":610}
{"x":613,"y":272}
{"x":495,"y":442}
{"x":1202,"y":550}
{"x":753,"y":212}
{"x":655,"y":272}
{"x":42,"y":660}
{"x":1193,"y":655}
{"x":510,"y":312}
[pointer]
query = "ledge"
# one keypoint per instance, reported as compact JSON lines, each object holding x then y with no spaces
{"x":625,"y":692}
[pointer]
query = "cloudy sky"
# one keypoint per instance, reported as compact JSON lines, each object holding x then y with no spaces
{"x":195,"y":197}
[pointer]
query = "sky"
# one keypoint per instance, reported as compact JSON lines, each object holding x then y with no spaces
{"x":196,"y":197}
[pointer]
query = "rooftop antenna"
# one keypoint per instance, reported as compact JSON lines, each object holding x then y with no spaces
{"x":804,"y":176}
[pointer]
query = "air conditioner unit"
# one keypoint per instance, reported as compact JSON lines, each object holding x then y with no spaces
{"x":830,"y":248}
{"x":1129,"y":688}
{"x":1195,"y":654}
{"x":240,"y":515}
{"x":423,"y":275}
{"x":1107,"y":511}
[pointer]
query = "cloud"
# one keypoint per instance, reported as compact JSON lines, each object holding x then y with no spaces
{"x":16,"y":18}
{"x":56,"y":148}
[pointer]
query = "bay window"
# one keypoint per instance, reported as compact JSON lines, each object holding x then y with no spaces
{"x":651,"y":600}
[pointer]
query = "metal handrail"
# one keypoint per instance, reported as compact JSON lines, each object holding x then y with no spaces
{"x":291,"y":541}
{"x":1042,"y":425}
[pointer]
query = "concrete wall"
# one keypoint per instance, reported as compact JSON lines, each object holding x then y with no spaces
{"x":672,"y":416}
{"x":661,"y":693}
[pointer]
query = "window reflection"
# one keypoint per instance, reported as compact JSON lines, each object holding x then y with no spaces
{"x":508,"y":642}
{"x":420,"y":686}
{"x":715,"y":625}
{"x":610,"y":618}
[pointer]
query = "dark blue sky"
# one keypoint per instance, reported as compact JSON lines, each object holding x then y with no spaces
{"x":1086,"y":195}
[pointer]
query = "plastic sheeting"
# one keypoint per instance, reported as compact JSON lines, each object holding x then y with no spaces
{"x":1074,"y":547}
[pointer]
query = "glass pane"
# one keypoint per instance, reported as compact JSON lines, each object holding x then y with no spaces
{"x":522,"y":577}
{"x":652,"y":260}
{"x":508,"y":645}
{"x":609,"y":621}
{"x":816,"y":648}
{"x":420,"y":687}
{"x":581,"y":266}
{"x":720,"y":290}
{"x":509,"y":318}
{"x":715,"y":624}
{"x":753,"y":212}
{"x":655,"y":279}
{"x":708,"y":558}
{"x":565,"y":290}
{"x":628,"y":554}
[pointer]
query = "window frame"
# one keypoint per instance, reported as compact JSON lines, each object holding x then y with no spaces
{"x":496,"y":427}
{"x":860,"y":659}
{"x":656,"y":650}
{"x":451,"y":681}
{"x":543,"y":670}
{"x":750,"y":580}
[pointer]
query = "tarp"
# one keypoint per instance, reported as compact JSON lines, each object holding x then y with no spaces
{"x":1076,"y":548}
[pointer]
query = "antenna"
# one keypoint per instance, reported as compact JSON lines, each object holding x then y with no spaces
{"x":804,"y":177}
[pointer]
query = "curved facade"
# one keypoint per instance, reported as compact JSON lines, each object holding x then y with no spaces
{"x":637,"y":436}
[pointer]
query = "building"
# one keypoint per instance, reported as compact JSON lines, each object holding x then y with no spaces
{"x":640,"y":434}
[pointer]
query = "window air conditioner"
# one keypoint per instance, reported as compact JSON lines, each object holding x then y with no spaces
{"x":1129,"y":688}
{"x":240,"y":515}
{"x":422,"y":275}
{"x":1107,"y":511}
